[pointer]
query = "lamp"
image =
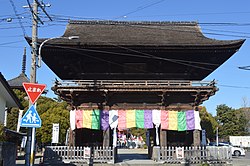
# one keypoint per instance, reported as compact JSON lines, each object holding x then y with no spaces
{"x":41,"y":45}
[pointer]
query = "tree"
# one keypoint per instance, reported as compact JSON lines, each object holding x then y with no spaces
{"x":208,"y":122}
{"x":52,"y":112}
{"x":231,"y":122}
{"x":49,"y":110}
{"x":12,"y":117}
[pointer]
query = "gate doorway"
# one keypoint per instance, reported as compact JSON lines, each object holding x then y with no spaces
{"x":134,"y":145}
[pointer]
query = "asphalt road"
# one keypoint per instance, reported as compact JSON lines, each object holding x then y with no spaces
{"x":242,"y":160}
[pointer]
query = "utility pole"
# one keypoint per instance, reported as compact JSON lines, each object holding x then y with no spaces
{"x":29,"y":157}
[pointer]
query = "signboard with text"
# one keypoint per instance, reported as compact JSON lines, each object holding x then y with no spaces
{"x":33,"y":90}
{"x":55,"y":133}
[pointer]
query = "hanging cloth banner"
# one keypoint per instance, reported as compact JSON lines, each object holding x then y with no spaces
{"x":173,"y":120}
{"x":164,"y":119}
{"x":148,"y":121}
{"x":113,"y":118}
{"x":180,"y":120}
{"x":114,"y":138}
{"x":79,"y":119}
{"x":197,"y":120}
{"x":72,"y":118}
{"x":190,"y":120}
{"x":130,"y":118}
{"x":104,"y":120}
{"x":182,"y":124}
{"x":96,"y":121}
{"x":157,"y":121}
{"x":113,"y":122}
{"x":140,"y":118}
{"x":124,"y":119}
{"x":87,"y":119}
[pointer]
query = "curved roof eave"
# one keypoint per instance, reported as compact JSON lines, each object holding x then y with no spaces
{"x":11,"y":98}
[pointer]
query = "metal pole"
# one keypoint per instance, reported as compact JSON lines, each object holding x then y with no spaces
{"x":30,"y":141}
{"x":217,"y":137}
{"x":33,"y":137}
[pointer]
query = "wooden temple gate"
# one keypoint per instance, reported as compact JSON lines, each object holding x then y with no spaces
{"x":108,"y":90}
{"x":116,"y":65}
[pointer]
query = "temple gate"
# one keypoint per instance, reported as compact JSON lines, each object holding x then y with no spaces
{"x":124,"y":66}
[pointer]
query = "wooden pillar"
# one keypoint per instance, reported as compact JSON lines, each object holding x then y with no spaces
{"x":196,"y":138}
{"x":106,"y":137}
{"x":163,"y":137}
{"x":71,"y":138}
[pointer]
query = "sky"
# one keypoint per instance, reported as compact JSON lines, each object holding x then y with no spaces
{"x":221,"y":20}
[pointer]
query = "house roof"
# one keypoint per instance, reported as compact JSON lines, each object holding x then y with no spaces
{"x":7,"y":93}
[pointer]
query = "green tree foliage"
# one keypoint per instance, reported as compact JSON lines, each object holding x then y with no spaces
{"x":13,"y":112}
{"x":2,"y":134}
{"x":52,"y":112}
{"x":232,"y":122}
{"x":49,"y":110}
{"x":208,"y":122}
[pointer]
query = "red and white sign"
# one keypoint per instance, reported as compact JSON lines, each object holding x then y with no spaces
{"x":34,"y":90}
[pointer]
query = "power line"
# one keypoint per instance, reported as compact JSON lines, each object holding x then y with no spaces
{"x":19,"y":19}
{"x":193,"y":14}
{"x":140,"y":8}
{"x":233,"y":86}
{"x":236,"y":32}
{"x":1,"y":44}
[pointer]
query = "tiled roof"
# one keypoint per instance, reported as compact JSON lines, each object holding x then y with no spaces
{"x":18,"y":81}
{"x":138,"y":33}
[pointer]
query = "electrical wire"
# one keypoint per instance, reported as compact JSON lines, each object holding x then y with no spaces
{"x":19,"y":19}
{"x":1,"y":44}
{"x":140,"y":8}
{"x":192,"y":14}
{"x":236,"y":32}
{"x":233,"y":86}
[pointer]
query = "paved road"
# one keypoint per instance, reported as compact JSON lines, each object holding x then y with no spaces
{"x":21,"y":160}
{"x":242,"y":161}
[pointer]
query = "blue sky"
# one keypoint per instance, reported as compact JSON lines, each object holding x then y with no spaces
{"x":222,"y":20}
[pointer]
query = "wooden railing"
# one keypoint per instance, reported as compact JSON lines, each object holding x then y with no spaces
{"x":169,"y":155}
{"x":191,"y":155}
{"x":132,"y":83}
{"x":79,"y":154}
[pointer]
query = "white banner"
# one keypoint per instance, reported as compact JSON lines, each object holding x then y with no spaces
{"x":55,"y":133}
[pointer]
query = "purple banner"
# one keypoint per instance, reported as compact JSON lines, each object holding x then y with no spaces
{"x":190,"y":120}
{"x":104,"y":119}
{"x":148,"y":122}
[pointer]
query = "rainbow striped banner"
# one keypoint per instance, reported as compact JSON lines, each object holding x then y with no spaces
{"x":92,"y":119}
{"x":169,"y":120}
{"x":134,"y":118}
{"x":180,"y":120}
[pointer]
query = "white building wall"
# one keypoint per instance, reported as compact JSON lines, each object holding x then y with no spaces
{"x":2,"y":109}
